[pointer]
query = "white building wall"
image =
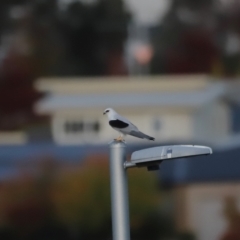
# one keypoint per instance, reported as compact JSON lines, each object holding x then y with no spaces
{"x":212,"y":122}
{"x":206,"y":205}
{"x":163,"y":127}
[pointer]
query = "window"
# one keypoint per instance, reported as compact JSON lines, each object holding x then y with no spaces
{"x":76,"y":127}
{"x":157,"y":124}
{"x":73,"y":127}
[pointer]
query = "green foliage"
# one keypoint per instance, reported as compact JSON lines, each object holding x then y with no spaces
{"x":186,"y":236}
{"x":143,"y":194}
{"x":82,"y":199}
{"x":77,"y":198}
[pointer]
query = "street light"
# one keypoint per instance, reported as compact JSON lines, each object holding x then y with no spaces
{"x":150,"y":158}
{"x":153,"y":157}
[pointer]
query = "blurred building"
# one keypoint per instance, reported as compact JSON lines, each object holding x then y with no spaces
{"x":176,"y":110}
{"x":187,"y":108}
{"x":208,"y":209}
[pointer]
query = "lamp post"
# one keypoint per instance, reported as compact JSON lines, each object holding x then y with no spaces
{"x":150,"y":158}
{"x":119,"y":192}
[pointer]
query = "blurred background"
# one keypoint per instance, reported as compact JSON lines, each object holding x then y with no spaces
{"x":170,"y":66}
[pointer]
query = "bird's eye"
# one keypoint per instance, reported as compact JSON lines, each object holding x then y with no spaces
{"x":107,"y":111}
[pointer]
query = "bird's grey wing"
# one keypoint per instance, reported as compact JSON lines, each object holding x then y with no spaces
{"x":139,"y":134}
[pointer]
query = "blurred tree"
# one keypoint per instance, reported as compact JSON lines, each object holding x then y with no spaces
{"x":185,"y":40}
{"x":25,"y":205}
{"x":39,"y":39}
{"x":76,"y":199}
{"x":112,"y":24}
{"x":232,"y":215}
{"x":186,"y":236}
{"x":228,"y":41}
{"x":28,"y":50}
{"x":94,"y":37}
{"x":82,"y":199}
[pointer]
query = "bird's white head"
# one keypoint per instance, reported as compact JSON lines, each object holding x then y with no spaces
{"x":109,"y":112}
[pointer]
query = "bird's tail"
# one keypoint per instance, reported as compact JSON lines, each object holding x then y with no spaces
{"x":141,"y":135}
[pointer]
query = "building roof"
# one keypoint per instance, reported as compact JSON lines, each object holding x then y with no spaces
{"x":128,"y":94}
{"x":168,"y":83}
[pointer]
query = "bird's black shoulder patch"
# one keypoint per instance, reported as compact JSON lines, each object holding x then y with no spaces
{"x":118,"y":124}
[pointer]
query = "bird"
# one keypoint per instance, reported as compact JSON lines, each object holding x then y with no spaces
{"x":124,"y":126}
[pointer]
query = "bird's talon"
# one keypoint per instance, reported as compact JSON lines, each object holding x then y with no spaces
{"x":119,"y":139}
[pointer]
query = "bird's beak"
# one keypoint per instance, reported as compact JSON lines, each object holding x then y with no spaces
{"x":104,"y":113}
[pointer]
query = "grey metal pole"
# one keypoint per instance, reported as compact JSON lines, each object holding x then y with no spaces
{"x":119,"y":191}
